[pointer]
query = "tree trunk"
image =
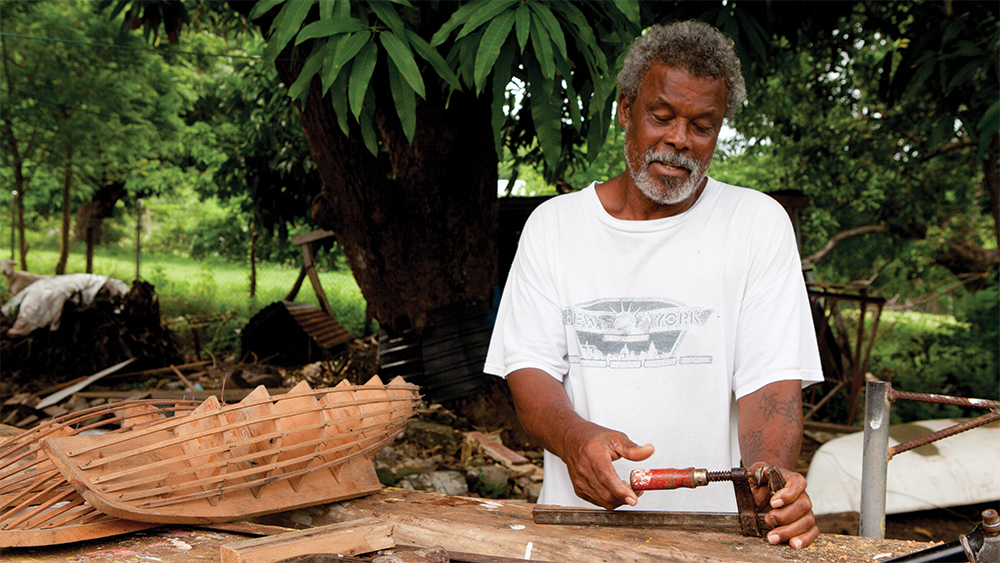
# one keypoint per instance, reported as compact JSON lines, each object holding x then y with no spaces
{"x":418,"y":223}
{"x":20,"y":184}
{"x":253,"y":256}
{"x":991,"y":180}
{"x":64,"y":240}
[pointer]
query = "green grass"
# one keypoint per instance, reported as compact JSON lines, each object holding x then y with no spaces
{"x":203,"y":293}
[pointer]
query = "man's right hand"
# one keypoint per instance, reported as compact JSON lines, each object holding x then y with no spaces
{"x":588,"y":452}
{"x":588,"y":449}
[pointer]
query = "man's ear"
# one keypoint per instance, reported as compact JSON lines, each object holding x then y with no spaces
{"x":624,"y":109}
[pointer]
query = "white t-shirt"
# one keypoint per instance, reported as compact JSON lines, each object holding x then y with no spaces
{"x":656,"y":327}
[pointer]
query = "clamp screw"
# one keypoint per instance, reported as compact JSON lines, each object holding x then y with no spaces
{"x":991,"y":522}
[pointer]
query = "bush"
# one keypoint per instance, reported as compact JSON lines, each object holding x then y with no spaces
{"x":957,"y":358}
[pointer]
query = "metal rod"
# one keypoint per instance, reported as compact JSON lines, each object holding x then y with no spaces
{"x":943,"y":399}
{"x":943,"y":433}
{"x":875,"y":461}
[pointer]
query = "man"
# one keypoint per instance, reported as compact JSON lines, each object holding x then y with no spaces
{"x":663,"y":307}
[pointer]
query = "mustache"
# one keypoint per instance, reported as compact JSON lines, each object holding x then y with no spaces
{"x":670,"y":158}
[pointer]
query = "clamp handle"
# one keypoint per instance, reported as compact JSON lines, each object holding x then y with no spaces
{"x":659,"y":479}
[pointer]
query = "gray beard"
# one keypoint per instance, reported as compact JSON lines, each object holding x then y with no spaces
{"x":666,"y":190}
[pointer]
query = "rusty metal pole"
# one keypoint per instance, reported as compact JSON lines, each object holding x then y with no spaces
{"x":875,"y":459}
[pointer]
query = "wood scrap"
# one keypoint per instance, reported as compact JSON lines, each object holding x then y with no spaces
{"x":427,"y":555}
{"x":64,"y":393}
{"x":496,"y":450}
{"x":347,"y":538}
{"x":224,"y":395}
{"x":187,"y":382}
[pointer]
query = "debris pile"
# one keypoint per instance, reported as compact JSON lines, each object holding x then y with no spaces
{"x":89,"y":338}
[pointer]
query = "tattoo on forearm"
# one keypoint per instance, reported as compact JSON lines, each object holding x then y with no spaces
{"x":771,"y":407}
{"x":752,"y":445}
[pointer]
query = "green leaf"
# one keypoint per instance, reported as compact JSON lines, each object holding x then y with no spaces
{"x":361,"y":76}
{"x":630,"y":8}
{"x":574,"y":106}
{"x":523,"y":15}
{"x":348,"y":48}
{"x":543,"y":48}
{"x":343,"y":9}
{"x":597,"y":134}
{"x":491,"y":10}
{"x":368,"y":134}
{"x":987,"y":128}
{"x":326,"y":28}
{"x":585,"y":37}
{"x":388,"y":15}
{"x":326,"y":8}
{"x":290,"y":24}
{"x":460,"y":16}
{"x":962,"y":76}
{"x":489,"y":47}
{"x":431,"y":55}
{"x":403,"y":57}
{"x":338,"y":99}
{"x":406,"y":101}
{"x":300,"y":88}
{"x":546,"y":113}
{"x":501,"y":77}
{"x":263,"y":7}
{"x":552,"y":24}
{"x":329,"y":72}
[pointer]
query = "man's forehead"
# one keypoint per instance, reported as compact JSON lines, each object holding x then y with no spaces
{"x":663,"y":80}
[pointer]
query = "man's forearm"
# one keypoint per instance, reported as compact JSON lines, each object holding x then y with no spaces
{"x":543,"y":408}
{"x":770,"y":424}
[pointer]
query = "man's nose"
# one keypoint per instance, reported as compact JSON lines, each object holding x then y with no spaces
{"x":677,"y":135}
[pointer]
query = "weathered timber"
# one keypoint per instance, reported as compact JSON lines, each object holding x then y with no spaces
{"x":346,"y":538}
{"x":506,"y":529}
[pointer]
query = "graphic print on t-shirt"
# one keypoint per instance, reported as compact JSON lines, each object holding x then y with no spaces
{"x":633,"y":333}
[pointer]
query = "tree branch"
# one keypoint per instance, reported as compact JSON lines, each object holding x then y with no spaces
{"x":868,"y":229}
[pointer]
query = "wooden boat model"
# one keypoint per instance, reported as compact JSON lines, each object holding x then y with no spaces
{"x":262,"y":455}
{"x":37,"y":504}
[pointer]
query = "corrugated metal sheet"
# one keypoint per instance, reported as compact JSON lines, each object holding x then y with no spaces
{"x":322,"y":328}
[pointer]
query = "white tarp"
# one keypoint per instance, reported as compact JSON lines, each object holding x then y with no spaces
{"x":41,"y":303}
{"x":955,"y":471}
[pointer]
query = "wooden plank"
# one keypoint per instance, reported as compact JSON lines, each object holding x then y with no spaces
{"x":506,"y":529}
{"x":310,"y":265}
{"x":496,"y":450}
{"x":224,"y":395}
{"x":167,"y":545}
{"x":347,"y":538}
{"x":64,"y":393}
{"x":312,"y":236}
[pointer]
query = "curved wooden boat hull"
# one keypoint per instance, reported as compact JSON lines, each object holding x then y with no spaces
{"x":222,"y":463}
{"x":37,"y":504}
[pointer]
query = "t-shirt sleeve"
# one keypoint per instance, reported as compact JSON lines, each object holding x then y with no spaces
{"x":529,"y":331}
{"x":775,"y":338}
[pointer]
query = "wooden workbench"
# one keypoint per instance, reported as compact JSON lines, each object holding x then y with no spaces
{"x":506,"y":529}
{"x":487,"y":527}
{"x":168,"y":544}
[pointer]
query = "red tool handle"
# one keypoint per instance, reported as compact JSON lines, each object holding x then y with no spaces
{"x":655,"y":479}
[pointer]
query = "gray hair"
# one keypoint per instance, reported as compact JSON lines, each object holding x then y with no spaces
{"x":700,"y":49}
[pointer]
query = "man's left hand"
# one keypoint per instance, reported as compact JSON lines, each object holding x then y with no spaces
{"x":791,"y":510}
